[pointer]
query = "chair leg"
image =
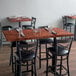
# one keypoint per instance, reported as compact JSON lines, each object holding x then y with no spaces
{"x":70,"y":28}
{"x":27,"y":65}
{"x":39,"y":56}
{"x":46,"y":47}
{"x":19,"y":73}
{"x":35,"y":67}
{"x":61,"y":66}
{"x":68,"y":66}
{"x":15,"y":67}
{"x":46,"y":63}
{"x":32,"y":68}
{"x":55,"y":66}
{"x":10,"y":56}
{"x":11,"y":59}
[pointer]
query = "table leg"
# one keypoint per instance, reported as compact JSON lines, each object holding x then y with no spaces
{"x":53,"y":57}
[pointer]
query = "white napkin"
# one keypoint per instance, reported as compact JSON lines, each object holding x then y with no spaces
{"x":22,"y":34}
{"x":53,"y":32}
{"x":46,"y":28}
{"x":19,"y":30}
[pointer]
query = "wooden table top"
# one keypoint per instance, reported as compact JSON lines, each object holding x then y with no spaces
{"x":72,"y":17}
{"x":13,"y":35}
{"x":19,"y":19}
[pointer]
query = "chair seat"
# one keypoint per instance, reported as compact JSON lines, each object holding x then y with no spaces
{"x":60,"y":51}
{"x":69,"y":24}
{"x":6,"y":27}
{"x":44,"y":41}
{"x":21,"y":42}
{"x":26,"y":55}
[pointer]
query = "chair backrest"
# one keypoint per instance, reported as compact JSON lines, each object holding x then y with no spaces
{"x":64,"y":19}
{"x":26,"y":27}
{"x":32,"y":25}
{"x":43,"y":27}
{"x":67,"y":44}
{"x":33,"y":22}
{"x":23,"y":48}
{"x":6,"y":27}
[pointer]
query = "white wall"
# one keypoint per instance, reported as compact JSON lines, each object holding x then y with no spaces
{"x":47,"y":12}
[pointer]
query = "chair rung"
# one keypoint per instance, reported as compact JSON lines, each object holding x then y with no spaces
{"x":26,"y":71}
{"x":43,"y":58}
{"x":62,"y":59}
{"x":43,"y":52}
{"x":64,"y":74}
{"x":26,"y":64}
{"x":49,"y":55}
{"x":64,"y":68}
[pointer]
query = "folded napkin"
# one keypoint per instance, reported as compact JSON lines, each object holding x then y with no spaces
{"x":46,"y":29}
{"x":19,"y":30}
{"x":53,"y":32}
{"x":22,"y":34}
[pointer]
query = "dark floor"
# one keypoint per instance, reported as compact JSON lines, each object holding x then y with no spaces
{"x":5,"y":69}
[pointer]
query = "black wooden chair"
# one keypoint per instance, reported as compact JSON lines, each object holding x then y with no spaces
{"x":61,"y":53}
{"x":67,"y":25}
{"x":3,"y":40}
{"x":43,"y":42}
{"x":13,"y":45}
{"x":25,"y":57}
{"x":32,"y":25}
